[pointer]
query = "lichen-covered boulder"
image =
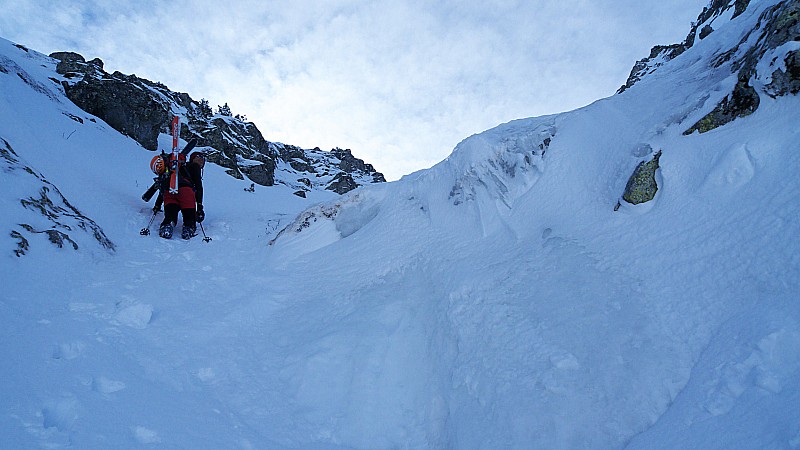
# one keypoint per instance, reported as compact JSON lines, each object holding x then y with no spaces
{"x":642,"y":185}
{"x":742,"y":102}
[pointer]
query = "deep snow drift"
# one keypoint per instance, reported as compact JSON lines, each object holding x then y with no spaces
{"x":495,"y":300}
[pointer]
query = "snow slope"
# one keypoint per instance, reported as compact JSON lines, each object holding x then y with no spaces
{"x":495,"y":300}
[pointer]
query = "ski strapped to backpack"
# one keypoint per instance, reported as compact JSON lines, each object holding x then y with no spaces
{"x":175,"y":163}
{"x":162,"y":163}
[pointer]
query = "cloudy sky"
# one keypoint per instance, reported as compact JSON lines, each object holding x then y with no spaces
{"x":400,"y":82}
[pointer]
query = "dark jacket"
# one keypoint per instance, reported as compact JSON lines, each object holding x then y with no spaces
{"x":192,"y":176}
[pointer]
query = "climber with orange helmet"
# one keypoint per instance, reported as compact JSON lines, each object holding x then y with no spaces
{"x":188,"y":200}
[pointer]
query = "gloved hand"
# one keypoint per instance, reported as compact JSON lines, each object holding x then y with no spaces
{"x":157,"y":208}
{"x":200,"y":213}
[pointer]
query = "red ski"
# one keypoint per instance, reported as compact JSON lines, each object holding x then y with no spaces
{"x":173,"y":178}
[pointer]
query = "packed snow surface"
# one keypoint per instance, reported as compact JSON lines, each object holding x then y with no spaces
{"x":496,"y":300}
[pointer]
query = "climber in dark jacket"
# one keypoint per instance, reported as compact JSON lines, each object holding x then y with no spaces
{"x":188,"y":200}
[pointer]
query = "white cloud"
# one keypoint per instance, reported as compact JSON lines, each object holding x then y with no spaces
{"x":398,"y":82}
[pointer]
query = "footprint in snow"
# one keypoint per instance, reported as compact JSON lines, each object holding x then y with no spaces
{"x":105,"y":385}
{"x":69,"y":350}
{"x":732,"y":170}
{"x":768,"y":367}
{"x":61,"y":413}
{"x":565,"y":361}
{"x":135,"y":316}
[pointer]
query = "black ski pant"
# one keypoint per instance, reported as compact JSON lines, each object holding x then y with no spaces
{"x":171,"y":215}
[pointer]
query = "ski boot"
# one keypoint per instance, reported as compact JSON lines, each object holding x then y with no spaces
{"x":165,"y":231}
{"x":188,"y":232}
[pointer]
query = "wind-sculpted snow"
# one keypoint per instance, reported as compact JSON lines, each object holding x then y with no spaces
{"x":487,"y":172}
{"x":326,"y":223}
{"x":502,"y":163}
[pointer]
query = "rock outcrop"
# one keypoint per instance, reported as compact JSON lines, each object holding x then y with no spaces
{"x":642,"y":185}
{"x":47,"y":211}
{"x":742,"y":102}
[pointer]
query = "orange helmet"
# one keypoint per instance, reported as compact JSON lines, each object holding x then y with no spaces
{"x":157,"y":165}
